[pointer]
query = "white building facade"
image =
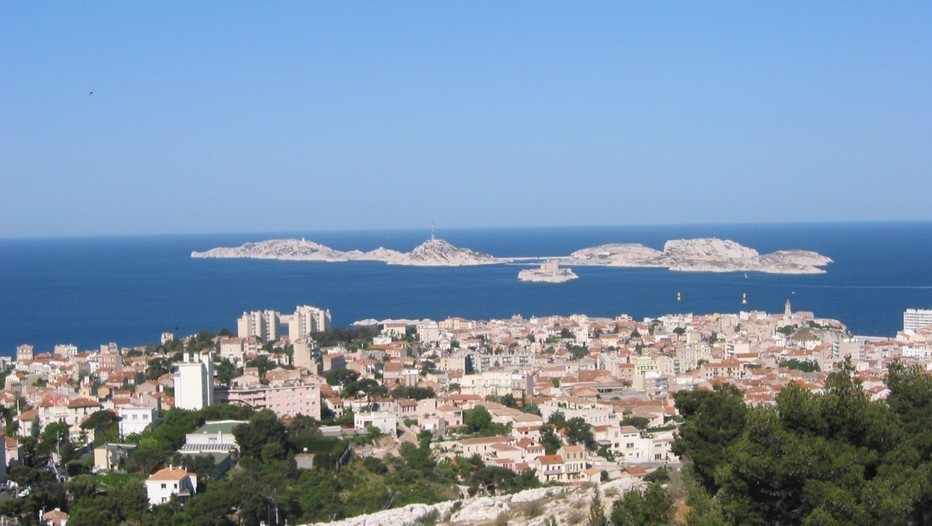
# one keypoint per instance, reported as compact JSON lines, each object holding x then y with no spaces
{"x":194,"y":382}
{"x":164,"y":483}
{"x":135,"y":420}
{"x":916,"y":318}
{"x":261,"y":324}
{"x":307,"y":320}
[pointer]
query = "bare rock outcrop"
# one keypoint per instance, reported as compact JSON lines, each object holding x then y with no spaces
{"x":434,"y":252}
{"x":702,"y":255}
{"x":619,"y":255}
{"x":533,"y":507}
{"x":439,"y":253}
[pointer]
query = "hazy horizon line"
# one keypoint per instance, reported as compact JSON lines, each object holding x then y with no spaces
{"x":427,"y":229}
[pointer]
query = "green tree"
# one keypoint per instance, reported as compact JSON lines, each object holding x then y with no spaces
{"x":578,"y":431}
{"x":713,"y":420}
{"x":82,"y":486}
{"x":428,"y":367}
{"x":557,"y":419}
{"x":56,"y":433}
{"x":148,"y":456}
{"x":262,"y":430}
{"x":579,"y":352}
{"x":636,"y":421}
{"x":643,"y":508}
{"x":477,"y":418}
{"x":226,"y":371}
{"x":157,"y":367}
{"x":104,"y":426}
{"x":550,"y":440}
{"x":800,"y":365}
{"x":341,"y":376}
{"x":417,"y":393}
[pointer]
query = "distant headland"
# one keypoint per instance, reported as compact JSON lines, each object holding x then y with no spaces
{"x":432,"y":253}
{"x":702,"y":255}
{"x":685,"y":255}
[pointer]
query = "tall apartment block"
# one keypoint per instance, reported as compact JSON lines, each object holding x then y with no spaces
{"x":194,"y":382}
{"x":915,"y":318}
{"x":307,"y":320}
{"x":261,"y":324}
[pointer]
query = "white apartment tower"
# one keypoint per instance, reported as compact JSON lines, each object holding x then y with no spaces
{"x":261,"y":324}
{"x":307,"y":320}
{"x":915,"y":318}
{"x":194,"y":382}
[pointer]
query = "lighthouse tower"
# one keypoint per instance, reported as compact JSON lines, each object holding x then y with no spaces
{"x":787,"y":311}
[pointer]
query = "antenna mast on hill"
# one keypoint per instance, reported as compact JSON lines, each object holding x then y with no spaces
{"x":433,"y":237}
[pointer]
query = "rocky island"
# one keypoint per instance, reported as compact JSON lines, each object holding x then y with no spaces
{"x":702,"y":255}
{"x":548,"y":272}
{"x":685,"y":255}
{"x":432,"y":253}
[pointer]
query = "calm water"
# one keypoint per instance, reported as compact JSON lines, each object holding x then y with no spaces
{"x":89,"y":291}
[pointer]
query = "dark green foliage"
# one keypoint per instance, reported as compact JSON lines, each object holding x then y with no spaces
{"x":428,"y":367}
{"x":104,"y":426}
{"x":127,"y":503}
{"x":637,"y":421}
{"x":578,"y":351}
{"x":175,"y":424}
{"x":477,"y":419}
{"x":263,"y":363}
{"x":350,"y":337}
{"x":550,"y":440}
{"x":648,"y":508}
{"x":494,"y":479}
{"x":800,"y":365}
{"x":508,"y":400}
{"x":158,"y":367}
{"x":226,"y":371}
{"x":365,"y":387}
{"x":660,"y":476}
{"x":417,"y":393}
{"x":831,"y":458}
{"x":714,"y":419}
{"x":341,"y":376}
{"x":578,"y":431}
{"x":557,"y":419}
{"x":149,"y":456}
{"x":263,"y":438}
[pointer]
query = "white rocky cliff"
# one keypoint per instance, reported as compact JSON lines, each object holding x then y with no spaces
{"x":562,"y":505}
{"x":437,"y":252}
{"x":702,"y":255}
{"x":434,"y":252}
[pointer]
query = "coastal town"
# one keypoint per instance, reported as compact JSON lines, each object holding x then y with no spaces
{"x":551,"y":401}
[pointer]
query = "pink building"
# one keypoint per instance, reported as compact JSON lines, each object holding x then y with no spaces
{"x":285,"y":399}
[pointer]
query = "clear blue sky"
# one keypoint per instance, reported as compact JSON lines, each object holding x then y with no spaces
{"x":259,"y":116}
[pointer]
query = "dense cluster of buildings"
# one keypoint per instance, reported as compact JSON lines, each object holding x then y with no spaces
{"x":610,"y":372}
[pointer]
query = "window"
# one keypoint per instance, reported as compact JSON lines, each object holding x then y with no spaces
{"x":630,"y":445}
{"x":164,"y":485}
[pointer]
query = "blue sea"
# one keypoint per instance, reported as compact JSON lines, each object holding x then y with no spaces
{"x":128,"y":290}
